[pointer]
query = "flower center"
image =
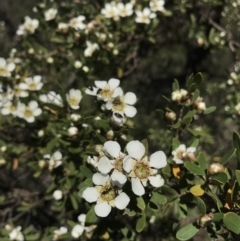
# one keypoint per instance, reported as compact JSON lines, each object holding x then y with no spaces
{"x":73,"y":101}
{"x":180,"y":155}
{"x":106,"y":93}
{"x":119,"y":164}
{"x":28,"y":112}
{"x":108,"y":193}
{"x":118,"y":105}
{"x":142,"y":170}
{"x":32,"y":86}
{"x":3,"y":71}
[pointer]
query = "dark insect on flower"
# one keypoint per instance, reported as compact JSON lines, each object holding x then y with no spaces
{"x":90,"y":88}
{"x":118,"y":115}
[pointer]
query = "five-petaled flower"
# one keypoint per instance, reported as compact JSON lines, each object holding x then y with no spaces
{"x":73,"y":98}
{"x":144,"y":16}
{"x":182,"y":154}
{"x":105,"y":194}
{"x":6,"y":68}
{"x":29,"y":26}
{"x":140,"y":169}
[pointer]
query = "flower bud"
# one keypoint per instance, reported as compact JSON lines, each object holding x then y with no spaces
{"x":77,"y":64}
{"x":85,"y":69}
{"x":50,"y":60}
{"x":72,"y":131}
{"x":57,"y":195}
{"x":171,"y":116}
{"x":42,"y":164}
{"x":2,"y":162}
{"x":98,"y":148}
{"x":110,"y":135}
{"x":215,"y":168}
{"x":75,"y":117}
{"x":205,"y":220}
{"x":3,"y":148}
{"x":40,"y":133}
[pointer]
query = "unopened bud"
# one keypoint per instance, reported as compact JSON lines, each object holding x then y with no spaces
{"x":40,"y":133}
{"x":3,"y":148}
{"x":75,"y":117}
{"x":171,"y":116}
{"x":215,"y":168}
{"x":77,"y":64}
{"x":110,"y":135}
{"x":42,"y":163}
{"x":98,"y":148}
{"x":2,"y":162}
{"x":50,"y":60}
{"x":205,"y":220}
{"x":72,"y":131}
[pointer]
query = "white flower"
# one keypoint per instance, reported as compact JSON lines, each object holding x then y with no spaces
{"x":6,"y":68}
{"x":144,"y":16}
{"x":105,"y":90}
{"x":73,"y":98}
{"x":105,"y":194}
{"x":50,"y":14}
{"x":75,"y":117}
{"x":28,"y":112}
{"x":52,"y":97}
{"x":16,"y":234}
{"x":63,"y":27}
{"x":32,"y":83}
{"x":125,"y":10}
{"x":118,"y":119}
{"x":29,"y":26}
{"x":179,"y":95}
{"x":57,"y":195}
{"x":91,"y":48}
{"x":6,"y":95}
{"x":115,"y":163}
{"x":72,"y":131}
{"x":54,"y":161}
{"x":200,"y":105}
{"x":77,"y":64}
{"x":18,"y":92}
{"x":141,"y":170}
{"x":123,"y":104}
{"x":110,"y":11}
{"x":9,"y":108}
{"x":59,"y":232}
{"x":157,"y":5}
{"x":182,"y":153}
{"x":77,"y":23}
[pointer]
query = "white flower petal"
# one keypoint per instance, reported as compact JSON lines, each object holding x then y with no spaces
{"x":130,"y":111}
{"x":135,"y":149}
{"x":82,"y":218}
{"x":130,"y":98}
{"x":104,"y":165}
{"x":156,"y":181}
{"x":117,"y":92}
{"x":2,"y":62}
{"x":137,"y":186}
{"x":118,"y":178}
{"x":191,"y":149}
{"x":57,"y":155}
{"x":33,"y":105}
{"x":112,"y":148}
{"x":128,"y":163}
{"x":11,"y":66}
{"x":122,"y":200}
{"x":77,"y":231}
{"x":102,"y":209}
{"x":100,"y":179}
{"x":158,"y":160}
{"x":90,"y":194}
{"x":100,"y":83}
{"x":92,"y":91}
{"x":113,"y":83}
{"x":37,"y":112}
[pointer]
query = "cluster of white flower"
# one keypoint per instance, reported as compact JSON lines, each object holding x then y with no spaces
{"x":182,"y":154}
{"x":200,"y":105}
{"x":28,"y":27}
{"x":6,"y":68}
{"x":116,"y":168}
{"x":15,"y":233}
{"x":179,"y":95}
{"x":51,"y":162}
{"x":59,"y":232}
{"x":116,"y":10}
{"x":112,"y":95}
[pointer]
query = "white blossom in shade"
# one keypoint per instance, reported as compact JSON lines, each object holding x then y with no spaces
{"x":6,"y":95}
{"x":63,"y":27}
{"x":144,"y":16}
{"x":9,"y":108}
{"x":91,"y":48}
{"x":57,"y":195}
{"x":59,"y":232}
{"x":28,"y":27}
{"x":16,"y":234}
{"x":105,"y":195}
{"x":157,"y":5}
{"x":114,"y":164}
{"x":182,"y":154}
{"x":125,"y":10}
{"x":54,"y":161}
{"x":75,"y":117}
{"x":50,"y":14}
{"x":179,"y":95}
{"x":123,"y":104}
{"x":18,"y":92}
{"x":32,"y":83}
{"x":110,"y":10}
{"x":6,"y":68}
{"x":140,"y":169}
{"x":52,"y":97}
{"x":200,"y":105}
{"x":73,"y":98}
{"x":72,"y":131}
{"x":118,"y":119}
{"x":28,"y":112}
{"x":77,"y":23}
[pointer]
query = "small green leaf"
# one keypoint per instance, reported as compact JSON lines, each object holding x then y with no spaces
{"x":195,"y":143}
{"x":238,"y":176}
{"x":74,"y":202}
{"x":91,"y":216}
{"x":145,"y":143}
{"x":141,"y":223}
{"x":175,"y":85}
{"x":234,"y":194}
{"x":175,"y":143}
{"x":140,"y":203}
{"x":187,"y":232}
{"x":202,"y":161}
{"x":201,"y":205}
{"x":232,"y":222}
{"x":216,"y":199}
{"x":169,"y":193}
{"x":160,"y":113}
{"x":192,"y":88}
{"x":227,"y":156}
{"x":86,"y":172}
{"x":194,"y":169}
{"x":209,"y":110}
{"x":197,"y":190}
{"x":198,"y":78}
{"x":221,"y":178}
{"x":194,"y":97}
{"x":189,"y":81}
{"x":217,"y":217}
{"x":158,"y":198}
{"x":190,"y":114}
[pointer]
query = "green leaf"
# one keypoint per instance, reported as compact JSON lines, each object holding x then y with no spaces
{"x":160,"y":113}
{"x":187,"y":232}
{"x":234,"y":194}
{"x":86,"y":172}
{"x":197,"y":190}
{"x":141,"y":223}
{"x":227,"y":156}
{"x":190,"y":115}
{"x":216,"y":199}
{"x":192,"y":88}
{"x":217,"y":217}
{"x":194,"y":169}
{"x":238,"y":176}
{"x":175,"y":143}
{"x":145,"y":143}
{"x":74,"y":202}
{"x":91,"y":216}
{"x":169,"y":193}
{"x":195,"y":143}
{"x":198,"y":78}
{"x":232,"y":222}
{"x":209,"y":110}
{"x":194,"y":97}
{"x":140,"y":203}
{"x":202,"y":161}
{"x":201,"y":205}
{"x":236,"y":144}
{"x":221,"y":178}
{"x":175,"y":85}
{"x":189,"y":81}
{"x":158,"y":198}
